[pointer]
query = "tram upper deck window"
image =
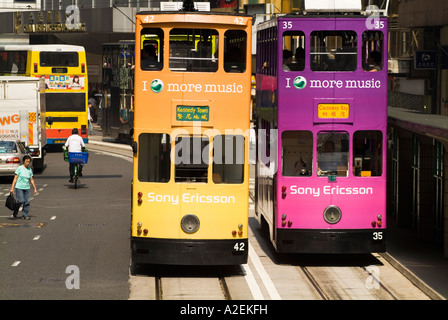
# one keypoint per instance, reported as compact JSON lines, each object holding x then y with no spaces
{"x":228,"y":159}
{"x":59,"y":59}
{"x":235,"y":44}
{"x":194,"y":50}
{"x":151,"y":56}
{"x":154,"y":157}
{"x":372,"y":48}
{"x":332,"y":153}
{"x":293,"y":51}
{"x":367,"y":153}
{"x":191,"y":159}
{"x":297,"y":153}
{"x":333,"y":50}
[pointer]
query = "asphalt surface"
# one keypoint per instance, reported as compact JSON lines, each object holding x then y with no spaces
{"x":75,"y":236}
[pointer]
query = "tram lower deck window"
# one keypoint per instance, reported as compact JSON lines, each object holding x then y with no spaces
{"x":154,"y":157}
{"x":297,"y":153}
{"x":228,"y":159}
{"x":367,"y":153}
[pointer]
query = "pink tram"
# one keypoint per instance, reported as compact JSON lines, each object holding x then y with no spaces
{"x":321,"y":110}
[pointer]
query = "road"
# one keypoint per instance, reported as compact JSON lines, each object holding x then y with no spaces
{"x":76,"y":246}
{"x":87,"y":228}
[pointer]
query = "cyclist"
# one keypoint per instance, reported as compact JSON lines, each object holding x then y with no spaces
{"x":74,"y":143}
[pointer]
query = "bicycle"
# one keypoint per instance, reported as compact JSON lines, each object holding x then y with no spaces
{"x":78,"y":159}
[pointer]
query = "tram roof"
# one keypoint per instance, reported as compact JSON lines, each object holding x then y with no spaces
{"x":315,"y":16}
{"x":211,"y":13}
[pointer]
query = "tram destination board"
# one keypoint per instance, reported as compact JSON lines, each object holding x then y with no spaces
{"x":192,"y":113}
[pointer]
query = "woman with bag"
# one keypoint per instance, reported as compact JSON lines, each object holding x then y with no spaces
{"x":21,"y":187}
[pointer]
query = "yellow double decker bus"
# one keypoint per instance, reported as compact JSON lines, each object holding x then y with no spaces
{"x":64,"y":69}
{"x":191,"y":138}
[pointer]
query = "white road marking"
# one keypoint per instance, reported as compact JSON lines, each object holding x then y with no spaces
{"x":252,"y":283}
{"x":53,"y":217}
{"x":273,"y":293}
{"x":15,"y":264}
{"x":36,"y":237}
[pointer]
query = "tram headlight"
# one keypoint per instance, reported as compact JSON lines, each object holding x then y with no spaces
{"x":332,"y":214}
{"x":190,"y":223}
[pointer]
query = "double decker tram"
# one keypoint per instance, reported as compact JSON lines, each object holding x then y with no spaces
{"x":191,"y":138}
{"x":322,"y":126}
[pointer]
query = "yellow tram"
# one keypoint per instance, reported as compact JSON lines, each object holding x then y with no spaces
{"x":191,"y":138}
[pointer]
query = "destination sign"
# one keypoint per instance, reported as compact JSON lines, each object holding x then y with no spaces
{"x":192,"y":113}
{"x":333,"y":110}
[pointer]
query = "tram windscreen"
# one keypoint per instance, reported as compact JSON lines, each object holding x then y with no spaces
{"x":332,"y":153}
{"x":191,"y":159}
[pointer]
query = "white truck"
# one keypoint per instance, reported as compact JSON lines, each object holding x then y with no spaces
{"x":22,"y":114}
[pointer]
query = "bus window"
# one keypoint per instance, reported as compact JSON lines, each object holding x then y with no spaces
{"x":191,"y":159}
{"x":294,"y":49}
{"x":297,"y":153}
{"x":367,"y":157}
{"x":59,"y":59}
{"x":372,"y":46}
{"x":228,"y":159}
{"x":332,"y":153}
{"x":194,"y":50}
{"x":151,"y":55}
{"x":333,"y":50}
{"x":13,"y":62}
{"x":235,"y":51}
{"x":154,"y":157}
{"x":63,"y":102}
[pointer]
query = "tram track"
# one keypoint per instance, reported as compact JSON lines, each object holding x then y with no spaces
{"x":347,"y":283}
{"x":214,"y":290}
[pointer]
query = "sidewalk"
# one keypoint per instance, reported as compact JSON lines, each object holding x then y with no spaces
{"x":424,"y":261}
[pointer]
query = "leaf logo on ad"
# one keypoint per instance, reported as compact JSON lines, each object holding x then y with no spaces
{"x":300,"y":82}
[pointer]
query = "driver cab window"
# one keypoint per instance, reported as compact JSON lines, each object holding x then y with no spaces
{"x":332,"y":153}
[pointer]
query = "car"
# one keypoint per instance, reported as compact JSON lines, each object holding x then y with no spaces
{"x":11,"y":156}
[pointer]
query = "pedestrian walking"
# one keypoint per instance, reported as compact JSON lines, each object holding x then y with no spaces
{"x":21,"y":187}
{"x":90,"y":119}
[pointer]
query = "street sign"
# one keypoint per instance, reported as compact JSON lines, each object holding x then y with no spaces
{"x":425,"y":59}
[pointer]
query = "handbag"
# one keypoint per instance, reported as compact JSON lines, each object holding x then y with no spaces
{"x":11,"y":202}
